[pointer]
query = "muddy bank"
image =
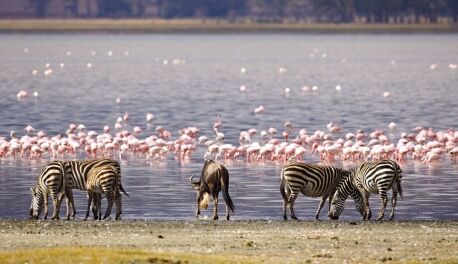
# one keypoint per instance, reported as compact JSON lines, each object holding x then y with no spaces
{"x":242,"y":241}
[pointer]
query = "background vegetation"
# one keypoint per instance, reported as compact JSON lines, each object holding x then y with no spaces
{"x":304,"y":11}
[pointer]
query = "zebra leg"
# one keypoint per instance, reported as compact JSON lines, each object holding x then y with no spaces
{"x":368,"y":213}
{"x":285,"y":193}
{"x":109,"y":197}
{"x":56,"y":202}
{"x":215,"y":208}
{"x":118,"y":200}
{"x":384,"y":201}
{"x":330,"y":199}
{"x":70,"y":204}
{"x":394,"y":200}
{"x":291,"y":200}
{"x":90,"y":195}
{"x":99,"y":207}
{"x":45,"y":198}
{"x":96,"y":206}
{"x":323,"y":200}
{"x":68,"y":208}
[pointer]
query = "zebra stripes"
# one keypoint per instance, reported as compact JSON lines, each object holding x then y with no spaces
{"x":77,"y":172}
{"x":50,"y":181}
{"x":370,"y":177}
{"x":311,"y":180}
{"x":104,"y":180}
{"x":58,"y":178}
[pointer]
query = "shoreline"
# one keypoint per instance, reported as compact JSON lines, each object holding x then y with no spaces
{"x":192,"y":26}
{"x":240,"y":241}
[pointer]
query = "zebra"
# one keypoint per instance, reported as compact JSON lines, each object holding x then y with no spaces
{"x":104,"y":180}
{"x":52,"y":180}
{"x":313,"y":181}
{"x":77,"y":172}
{"x":370,"y":177}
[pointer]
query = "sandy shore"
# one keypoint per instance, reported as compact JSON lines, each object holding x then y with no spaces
{"x":208,"y":26}
{"x":204,"y":241}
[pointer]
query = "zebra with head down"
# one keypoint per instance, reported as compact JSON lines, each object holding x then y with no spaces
{"x":370,"y":177}
{"x":51,"y":181}
{"x":313,"y":181}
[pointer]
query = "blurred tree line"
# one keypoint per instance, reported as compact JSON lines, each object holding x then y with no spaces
{"x":338,"y":11}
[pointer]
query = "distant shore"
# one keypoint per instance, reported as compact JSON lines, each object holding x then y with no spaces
{"x":204,"y":241}
{"x":206,"y":26}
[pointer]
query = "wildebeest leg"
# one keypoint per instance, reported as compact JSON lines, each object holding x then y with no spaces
{"x":292,"y":198}
{"x":227,"y":213}
{"x":199,"y":196}
{"x":323,"y":200}
{"x":215,"y":209}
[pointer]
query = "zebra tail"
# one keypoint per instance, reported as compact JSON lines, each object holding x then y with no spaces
{"x":122,"y":189}
{"x":282,"y":184}
{"x":399,"y":188}
{"x":225,"y":191}
{"x":398,"y":182}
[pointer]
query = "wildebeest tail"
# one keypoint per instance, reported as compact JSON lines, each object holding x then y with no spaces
{"x":225,"y":191}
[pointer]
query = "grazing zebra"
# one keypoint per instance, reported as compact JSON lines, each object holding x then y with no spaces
{"x":313,"y":181}
{"x":370,"y":177}
{"x":77,"y":172}
{"x":104,"y":180}
{"x":50,"y":181}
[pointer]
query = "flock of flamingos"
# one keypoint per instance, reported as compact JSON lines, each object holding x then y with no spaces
{"x":421,"y":144}
{"x":290,"y":143}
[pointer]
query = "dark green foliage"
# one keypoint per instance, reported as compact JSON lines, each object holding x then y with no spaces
{"x":336,"y":11}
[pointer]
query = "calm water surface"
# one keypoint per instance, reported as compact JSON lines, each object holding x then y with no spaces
{"x":193,"y":93}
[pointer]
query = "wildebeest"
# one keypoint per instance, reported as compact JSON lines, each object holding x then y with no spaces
{"x":213,"y":179}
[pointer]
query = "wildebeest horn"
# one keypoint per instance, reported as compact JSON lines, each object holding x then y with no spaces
{"x":192,"y":179}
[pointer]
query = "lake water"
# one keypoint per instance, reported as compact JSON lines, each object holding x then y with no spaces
{"x":141,"y":71}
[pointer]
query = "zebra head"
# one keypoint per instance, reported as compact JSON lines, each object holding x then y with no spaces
{"x":37,"y":203}
{"x":337,"y":206}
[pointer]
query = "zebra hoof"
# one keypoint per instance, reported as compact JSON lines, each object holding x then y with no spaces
{"x":293,"y":217}
{"x":285,"y":217}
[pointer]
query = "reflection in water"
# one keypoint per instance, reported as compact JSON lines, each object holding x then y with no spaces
{"x":193,"y":93}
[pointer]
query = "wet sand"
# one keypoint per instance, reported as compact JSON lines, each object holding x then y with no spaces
{"x":205,"y":241}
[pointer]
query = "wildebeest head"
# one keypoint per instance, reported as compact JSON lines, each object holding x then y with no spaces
{"x":195,"y":183}
{"x":204,"y":199}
